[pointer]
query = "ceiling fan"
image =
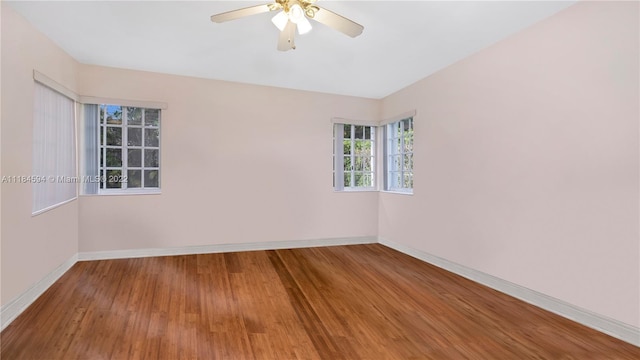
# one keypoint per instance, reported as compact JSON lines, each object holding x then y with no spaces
{"x":295,"y":14}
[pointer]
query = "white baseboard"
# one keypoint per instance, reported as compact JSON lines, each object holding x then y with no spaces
{"x":209,"y":249}
{"x":15,"y":307}
{"x":585,"y":317}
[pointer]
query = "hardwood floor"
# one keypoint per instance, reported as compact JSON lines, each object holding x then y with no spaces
{"x":342,"y":302}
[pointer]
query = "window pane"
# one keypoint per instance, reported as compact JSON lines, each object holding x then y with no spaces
{"x":347,"y":131}
{"x":114,"y":180}
{"x":114,"y":157}
{"x":398,"y":129}
{"x":396,"y":162}
{"x":406,"y":124}
{"x":407,"y":162}
{"x":408,"y":181}
{"x":359,"y":132}
{"x":114,"y":115}
{"x":347,"y":179}
{"x":363,"y":147}
{"x":367,"y":164}
{"x":151,"y":158}
{"x":347,"y":163}
{"x":134,"y":178}
{"x":372,"y":179}
{"x":134,"y":137}
{"x":151,"y":178}
{"x":134,"y":116}
{"x":397,"y":179}
{"x":367,"y":132}
{"x":346,"y":147}
{"x":408,"y":141}
{"x":359,"y":163}
{"x":114,"y":136}
{"x":367,"y":180}
{"x":151,"y":117}
{"x":135,"y":158}
{"x":151,"y":137}
{"x":359,"y":179}
{"x":363,"y":163}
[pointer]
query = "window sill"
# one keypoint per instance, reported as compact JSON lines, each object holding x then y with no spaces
{"x":126,"y":192}
{"x":397,"y":192}
{"x":356,"y":190}
{"x":374,"y":190}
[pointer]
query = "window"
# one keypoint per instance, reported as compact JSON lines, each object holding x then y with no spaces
{"x":399,"y":156}
{"x":129,"y":149}
{"x":354,"y":157}
{"x":54,"y":155}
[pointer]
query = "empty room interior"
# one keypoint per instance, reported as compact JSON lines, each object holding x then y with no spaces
{"x":320,"y":179}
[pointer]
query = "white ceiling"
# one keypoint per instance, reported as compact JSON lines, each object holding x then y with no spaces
{"x":402,"y":42}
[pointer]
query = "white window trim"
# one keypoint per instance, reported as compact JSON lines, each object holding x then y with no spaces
{"x":343,"y":121}
{"x":397,"y":192}
{"x":357,"y":190}
{"x":123,"y":102}
{"x":103,"y":170}
{"x":133,"y":191}
{"x":339,"y":160}
{"x":393,"y":119}
{"x":387,"y":172}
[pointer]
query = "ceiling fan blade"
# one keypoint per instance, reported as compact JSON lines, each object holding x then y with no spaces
{"x":338,"y":22}
{"x":236,"y":14}
{"x":286,"y":40}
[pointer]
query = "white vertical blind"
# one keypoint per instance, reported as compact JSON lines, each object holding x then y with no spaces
{"x":90,"y":149}
{"x":54,"y":179}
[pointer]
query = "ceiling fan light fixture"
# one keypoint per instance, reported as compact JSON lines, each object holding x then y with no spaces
{"x":304,"y":26}
{"x":292,"y":15}
{"x":280,"y":20}
{"x":296,"y":14}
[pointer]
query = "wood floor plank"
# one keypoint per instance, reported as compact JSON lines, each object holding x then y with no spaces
{"x":341,"y":302}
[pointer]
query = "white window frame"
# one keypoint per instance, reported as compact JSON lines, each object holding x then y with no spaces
{"x":103,"y":147}
{"x":339,"y":155}
{"x":395,"y":148}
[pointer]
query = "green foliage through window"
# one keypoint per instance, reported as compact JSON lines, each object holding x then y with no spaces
{"x":399,"y":155}
{"x":355,"y":159}
{"x":129,"y":147}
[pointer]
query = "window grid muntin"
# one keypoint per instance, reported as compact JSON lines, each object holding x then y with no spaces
{"x":346,"y":175}
{"x":399,"y":156}
{"x":105,"y":171}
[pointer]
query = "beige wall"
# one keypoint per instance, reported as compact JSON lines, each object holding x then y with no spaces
{"x":526,"y":163}
{"x":240,"y":164}
{"x":32,"y":247}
